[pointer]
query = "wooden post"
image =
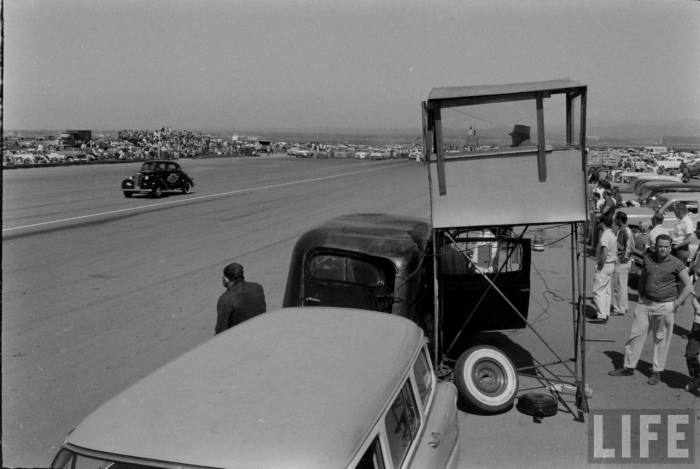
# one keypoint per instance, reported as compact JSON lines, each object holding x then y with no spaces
{"x":569,"y":119}
{"x":541,"y":160}
{"x":440,"y":152}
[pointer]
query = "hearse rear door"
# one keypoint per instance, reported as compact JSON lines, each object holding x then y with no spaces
{"x":467,"y":296}
{"x":349,"y":280}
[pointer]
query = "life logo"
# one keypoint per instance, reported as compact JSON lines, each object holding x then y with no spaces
{"x":642,"y":436}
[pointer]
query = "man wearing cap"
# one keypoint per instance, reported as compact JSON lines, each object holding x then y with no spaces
{"x":658,"y":302}
{"x":520,"y":135}
{"x":241,"y":301}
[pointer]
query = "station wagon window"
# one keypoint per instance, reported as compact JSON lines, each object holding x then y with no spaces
{"x":424,"y":377}
{"x":68,"y":460}
{"x":373,"y":458}
{"x":345,"y":269}
{"x":402,"y":422}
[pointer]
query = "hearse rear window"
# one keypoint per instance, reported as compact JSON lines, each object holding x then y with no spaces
{"x":345,"y":269}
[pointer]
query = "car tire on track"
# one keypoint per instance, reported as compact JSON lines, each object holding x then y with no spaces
{"x":486,"y":378}
{"x":158,"y":192}
{"x":187,"y":188}
{"x":128,"y":194}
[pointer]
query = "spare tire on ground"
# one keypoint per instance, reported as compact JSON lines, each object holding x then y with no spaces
{"x":538,"y":405}
{"x":486,"y":378}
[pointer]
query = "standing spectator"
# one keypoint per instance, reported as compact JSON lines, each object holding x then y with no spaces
{"x":617,"y":197}
{"x":623,"y":263}
{"x":609,"y":204}
{"x":656,"y":229}
{"x":241,"y":301}
{"x":685,"y":172}
{"x":606,"y":254}
{"x":692,"y":348}
{"x":682,"y":232}
{"x":658,"y":302}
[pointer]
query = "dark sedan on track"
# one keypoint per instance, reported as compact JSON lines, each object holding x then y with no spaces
{"x":156,"y":178}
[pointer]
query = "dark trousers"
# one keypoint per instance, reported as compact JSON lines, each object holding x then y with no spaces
{"x":692,"y":354}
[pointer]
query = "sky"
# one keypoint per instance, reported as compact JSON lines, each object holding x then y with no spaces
{"x":333,"y":64}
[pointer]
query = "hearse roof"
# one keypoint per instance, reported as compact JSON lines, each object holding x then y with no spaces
{"x":403,"y":240}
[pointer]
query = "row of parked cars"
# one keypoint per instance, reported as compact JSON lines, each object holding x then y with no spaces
{"x":644,"y":194}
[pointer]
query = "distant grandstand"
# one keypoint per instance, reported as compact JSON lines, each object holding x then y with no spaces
{"x":681,"y":143}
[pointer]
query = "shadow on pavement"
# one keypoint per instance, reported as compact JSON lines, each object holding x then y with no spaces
{"x":672,"y":379}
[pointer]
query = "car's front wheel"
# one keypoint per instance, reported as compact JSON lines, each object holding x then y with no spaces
{"x":158,"y":192}
{"x":128,"y":194}
{"x":187,"y":188}
{"x":486,"y":378}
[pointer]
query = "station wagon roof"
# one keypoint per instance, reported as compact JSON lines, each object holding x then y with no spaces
{"x":400,"y":239}
{"x":297,"y":387}
{"x":562,"y":85}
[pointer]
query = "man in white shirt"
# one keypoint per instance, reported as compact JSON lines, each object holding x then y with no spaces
{"x":656,"y":229}
{"x":682,"y":232}
{"x":605,"y":267}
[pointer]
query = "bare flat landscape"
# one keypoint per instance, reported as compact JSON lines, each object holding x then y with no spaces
{"x":99,"y":291}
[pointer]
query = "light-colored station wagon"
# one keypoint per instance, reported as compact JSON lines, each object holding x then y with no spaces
{"x":294,"y":388}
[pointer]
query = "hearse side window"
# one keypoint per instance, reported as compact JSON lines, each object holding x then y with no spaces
{"x":424,"y":377}
{"x":345,"y":269}
{"x":402,"y":422}
{"x":372,"y":459}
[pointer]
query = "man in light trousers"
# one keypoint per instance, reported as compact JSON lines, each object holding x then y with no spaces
{"x":623,"y":264}
{"x":658,"y":302}
{"x":605,"y":267}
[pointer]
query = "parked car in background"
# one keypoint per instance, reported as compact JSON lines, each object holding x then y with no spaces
{"x":649,"y":192}
{"x":665,"y":205}
{"x":294,"y":388}
{"x":694,"y":169}
{"x":157,"y":177}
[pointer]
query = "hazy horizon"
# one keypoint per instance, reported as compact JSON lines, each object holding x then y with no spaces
{"x":312,"y":65}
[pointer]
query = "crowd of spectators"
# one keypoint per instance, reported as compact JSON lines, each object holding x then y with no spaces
{"x":166,"y":143}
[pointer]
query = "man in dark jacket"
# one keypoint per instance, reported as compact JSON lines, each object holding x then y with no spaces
{"x":241,"y":301}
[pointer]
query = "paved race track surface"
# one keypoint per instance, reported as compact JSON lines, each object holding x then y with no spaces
{"x":100,"y":290}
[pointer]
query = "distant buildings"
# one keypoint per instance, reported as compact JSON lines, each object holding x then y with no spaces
{"x":681,"y":143}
